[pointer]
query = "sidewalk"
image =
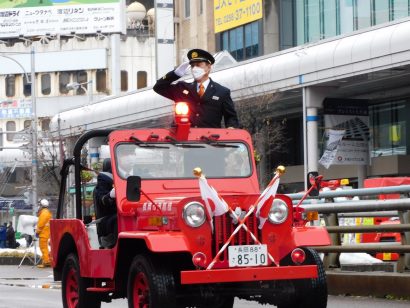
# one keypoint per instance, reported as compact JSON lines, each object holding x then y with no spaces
{"x":28,"y":276}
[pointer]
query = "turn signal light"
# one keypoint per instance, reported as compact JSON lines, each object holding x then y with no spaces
{"x":298,"y":256}
{"x":181,"y":109}
{"x":311,"y":215}
{"x":155,"y":221}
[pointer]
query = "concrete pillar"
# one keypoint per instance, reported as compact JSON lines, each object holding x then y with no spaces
{"x":94,"y":155}
{"x":312,"y":137}
{"x":115,"y":64}
{"x":361,"y":175}
{"x":312,"y":100}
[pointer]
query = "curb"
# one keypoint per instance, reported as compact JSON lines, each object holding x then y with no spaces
{"x":15,"y":260}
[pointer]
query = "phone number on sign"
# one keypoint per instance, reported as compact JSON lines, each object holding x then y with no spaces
{"x":238,"y":14}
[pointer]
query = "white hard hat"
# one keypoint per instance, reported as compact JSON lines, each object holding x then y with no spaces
{"x":44,"y":203}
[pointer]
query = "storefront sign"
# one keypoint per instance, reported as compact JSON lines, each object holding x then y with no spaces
{"x":352,"y":117}
{"x":15,"y":109}
{"x":64,"y":17}
{"x":229,"y":14}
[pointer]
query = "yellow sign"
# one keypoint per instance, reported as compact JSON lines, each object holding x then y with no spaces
{"x":229,"y":14}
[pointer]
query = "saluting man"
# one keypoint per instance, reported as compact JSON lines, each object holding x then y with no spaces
{"x":208,"y":101}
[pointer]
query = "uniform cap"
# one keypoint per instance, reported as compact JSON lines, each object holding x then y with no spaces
{"x":199,"y":55}
{"x":44,"y":203}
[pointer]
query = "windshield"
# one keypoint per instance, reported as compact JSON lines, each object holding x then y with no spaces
{"x":167,"y":160}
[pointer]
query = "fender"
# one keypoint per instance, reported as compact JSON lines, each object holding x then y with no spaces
{"x":311,"y":236}
{"x":160,"y":241}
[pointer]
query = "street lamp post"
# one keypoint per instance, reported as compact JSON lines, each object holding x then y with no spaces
{"x":34,"y":163}
{"x":89,"y":90}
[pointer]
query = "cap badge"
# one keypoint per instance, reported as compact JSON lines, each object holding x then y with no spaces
{"x":194,"y":54}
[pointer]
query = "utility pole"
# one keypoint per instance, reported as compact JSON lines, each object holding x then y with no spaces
{"x":34,"y":163}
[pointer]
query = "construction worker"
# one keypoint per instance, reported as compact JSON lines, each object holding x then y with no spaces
{"x":43,"y":232}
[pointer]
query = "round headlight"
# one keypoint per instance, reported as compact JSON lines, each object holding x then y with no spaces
{"x":278,"y":211}
{"x":194,"y":214}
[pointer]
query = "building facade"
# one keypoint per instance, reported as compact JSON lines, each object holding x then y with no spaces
{"x":71,"y":70}
{"x":299,"y":25}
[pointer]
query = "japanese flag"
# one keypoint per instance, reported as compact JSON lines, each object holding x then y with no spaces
{"x":215,"y":205}
{"x":265,"y":200}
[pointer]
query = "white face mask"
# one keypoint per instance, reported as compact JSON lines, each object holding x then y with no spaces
{"x":197,"y":72}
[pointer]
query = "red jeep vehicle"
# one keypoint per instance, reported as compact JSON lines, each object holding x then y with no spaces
{"x":170,"y":250}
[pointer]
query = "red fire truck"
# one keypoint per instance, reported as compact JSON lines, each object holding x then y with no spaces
{"x":171,"y":251}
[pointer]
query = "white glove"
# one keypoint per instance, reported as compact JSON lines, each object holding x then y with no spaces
{"x":112,"y":193}
{"x":181,"y":70}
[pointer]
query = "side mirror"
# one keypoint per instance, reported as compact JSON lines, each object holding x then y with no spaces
{"x":313,"y":179}
{"x":133,"y":188}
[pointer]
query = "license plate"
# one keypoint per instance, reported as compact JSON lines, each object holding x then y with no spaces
{"x":248,"y":255}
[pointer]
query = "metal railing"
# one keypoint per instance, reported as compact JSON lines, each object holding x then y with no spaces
{"x":331,"y":211}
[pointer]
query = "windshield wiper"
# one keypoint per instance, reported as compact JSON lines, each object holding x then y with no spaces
{"x":143,"y":144}
{"x":214,"y":143}
{"x":176,"y":143}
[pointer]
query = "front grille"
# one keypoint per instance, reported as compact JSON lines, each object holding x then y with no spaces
{"x":223,"y":229}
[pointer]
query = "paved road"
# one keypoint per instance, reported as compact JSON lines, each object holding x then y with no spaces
{"x":29,"y":287}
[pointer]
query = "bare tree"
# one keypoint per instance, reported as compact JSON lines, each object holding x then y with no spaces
{"x":258,"y":116}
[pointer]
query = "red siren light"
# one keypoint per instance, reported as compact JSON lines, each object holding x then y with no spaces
{"x":182,"y":120}
{"x":181,"y":109}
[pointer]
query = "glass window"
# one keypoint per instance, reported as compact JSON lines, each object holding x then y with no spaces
{"x":400,"y":9}
{"x":10,"y":85}
{"x":248,"y":41}
{"x":239,"y":43}
{"x":313,"y":20}
{"x":346,"y":16}
{"x":232,"y":43}
{"x":187,"y":8}
{"x":242,"y":42}
{"x":81,"y":77}
{"x":11,"y":127}
{"x":286,"y":24}
{"x":124,"y":81}
{"x":64,"y":79}
{"x":141,"y":79}
{"x":45,"y":84}
{"x":45,"y":124}
{"x":177,"y":161}
{"x":381,"y":11}
{"x":27,"y":124}
{"x":389,"y":128}
{"x":300,"y":22}
{"x":255,"y":39}
{"x":363,"y":14}
{"x":225,"y":40}
{"x":101,"y":76}
{"x":26,"y":86}
{"x":329,"y":18}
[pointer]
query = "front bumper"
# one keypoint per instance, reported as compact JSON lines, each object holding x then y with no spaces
{"x":249,"y":274}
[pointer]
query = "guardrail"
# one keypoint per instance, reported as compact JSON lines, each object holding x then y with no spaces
{"x":331,"y":211}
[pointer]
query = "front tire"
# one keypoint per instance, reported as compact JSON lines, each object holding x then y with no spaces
{"x":309,"y":293}
{"x":150,"y":284}
{"x":74,"y":287}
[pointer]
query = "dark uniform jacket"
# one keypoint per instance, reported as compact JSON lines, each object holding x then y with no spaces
{"x":101,"y":196}
{"x":205,"y":111}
